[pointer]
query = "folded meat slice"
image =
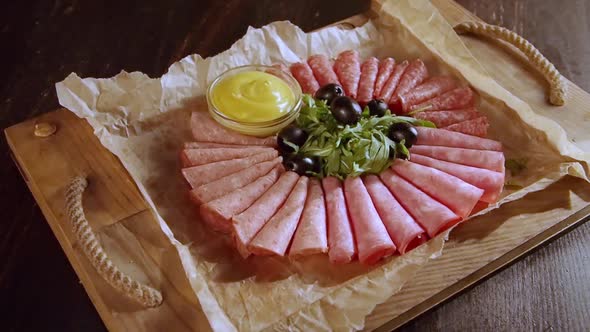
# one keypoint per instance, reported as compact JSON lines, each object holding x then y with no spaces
{"x":196,"y":157}
{"x":199,"y":175}
{"x":492,"y":160}
{"x":311,"y":236}
{"x":220,"y":187}
{"x":447,"y":118}
{"x":476,"y":127}
{"x":441,"y":137}
{"x":218,"y":212}
{"x":341,"y":247}
{"x":372,"y":240}
{"x":415,"y":74}
{"x":457,"y":98}
{"x":209,"y":145}
{"x":402,"y":228}
{"x":246,"y":224}
{"x":453,"y":192}
{"x":433,"y":216}
{"x":431,"y":88}
{"x":206,"y":129}
{"x":491,"y":182}
{"x":274,"y":238}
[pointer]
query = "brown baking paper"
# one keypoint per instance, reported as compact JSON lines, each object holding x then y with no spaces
{"x":206,"y":285}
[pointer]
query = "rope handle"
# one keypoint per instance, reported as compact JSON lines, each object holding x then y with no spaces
{"x":557,"y":87}
{"x":143,"y":294}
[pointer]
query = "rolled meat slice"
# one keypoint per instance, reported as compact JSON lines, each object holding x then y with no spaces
{"x":441,"y":137}
{"x":433,"y":216}
{"x":372,"y":240}
{"x":274,"y":238}
{"x":311,"y":236}
{"x":369,"y":70}
{"x":414,"y":75}
{"x":322,"y":69}
{"x":393,"y":81}
{"x":348,"y":69}
{"x":220,"y":187}
{"x":246,"y":224}
{"x":196,"y":157}
{"x":304,"y":75}
{"x":385,"y":69}
{"x":218,"y":212}
{"x":476,"y":127}
{"x":402,"y":228}
{"x":492,"y":160}
{"x":206,"y":129}
{"x":341,"y":246}
{"x":447,"y":118}
{"x":199,"y":175}
{"x":491,"y":182}
{"x":456,"y":194}
{"x":208,"y":145}
{"x":454,"y":99}
{"x":435,"y":86}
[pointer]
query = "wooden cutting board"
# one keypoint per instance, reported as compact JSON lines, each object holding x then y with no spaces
{"x":474,"y":251}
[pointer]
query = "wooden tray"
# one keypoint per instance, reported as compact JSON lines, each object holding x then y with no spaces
{"x":474,"y":251}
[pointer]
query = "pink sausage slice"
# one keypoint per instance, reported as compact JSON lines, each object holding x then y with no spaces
{"x":340,"y":239}
{"x":369,"y":70}
{"x":393,"y":81}
{"x":453,"y":192}
{"x":492,"y":160}
{"x":196,"y":157}
{"x":447,"y":118}
{"x":431,"y":88}
{"x":454,"y":99}
{"x":322,"y":69}
{"x":246,"y":224}
{"x":348,"y":68}
{"x":414,"y":75}
{"x":303,"y":74}
{"x":441,"y":137}
{"x":476,"y":127}
{"x":373,"y":241}
{"x":402,"y":228}
{"x":274,"y":238}
{"x":209,"y":145}
{"x":429,"y":213}
{"x":311,"y":236}
{"x":205,"y":129}
{"x":385,"y":69}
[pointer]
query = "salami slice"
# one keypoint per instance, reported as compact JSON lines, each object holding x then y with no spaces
{"x":441,"y":137}
{"x":402,"y":228}
{"x":454,"y":99}
{"x":429,"y":213}
{"x":311,"y":236}
{"x":199,"y":175}
{"x":453,"y":192}
{"x":414,"y":75}
{"x":393,"y":81}
{"x":447,"y":118}
{"x":322,"y":69}
{"x":208,"y":145}
{"x":340,"y":238}
{"x":196,"y":157}
{"x":348,"y":68}
{"x":491,"y":182}
{"x":369,"y":70}
{"x":435,"y":86}
{"x":492,"y":160}
{"x":373,"y":241}
{"x":205,"y":129}
{"x":476,"y":127}
{"x":274,"y":238}
{"x":385,"y":69}
{"x":220,"y":187}
{"x":218,"y":212}
{"x":303,"y":74}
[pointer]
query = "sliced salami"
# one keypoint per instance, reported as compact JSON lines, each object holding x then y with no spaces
{"x":341,"y":247}
{"x":414,"y":75}
{"x":196,"y":157}
{"x":447,"y":118}
{"x":311,"y":236}
{"x":208,"y":145}
{"x":304,"y":75}
{"x":393,"y":81}
{"x":492,"y":160}
{"x":431,"y":88}
{"x":441,"y":137}
{"x":205,"y":129}
{"x":454,"y":99}
{"x":348,"y":69}
{"x":476,"y":127}
{"x":402,"y":228}
{"x":366,"y":87}
{"x":385,"y":69}
{"x":433,"y":216}
{"x":322,"y":69}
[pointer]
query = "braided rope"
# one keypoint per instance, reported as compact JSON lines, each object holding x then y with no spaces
{"x":145,"y":295}
{"x":558,"y":91}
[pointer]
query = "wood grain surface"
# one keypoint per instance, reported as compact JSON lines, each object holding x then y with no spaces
{"x":43,"y":41}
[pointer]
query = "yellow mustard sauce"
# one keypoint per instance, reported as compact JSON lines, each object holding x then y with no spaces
{"x":252,"y":96}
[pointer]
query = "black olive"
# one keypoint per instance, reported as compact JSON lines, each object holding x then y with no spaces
{"x":346,"y":110}
{"x":403,"y":131}
{"x":293,"y":135}
{"x":328,"y":92}
{"x":377,"y":107}
{"x":302,"y":165}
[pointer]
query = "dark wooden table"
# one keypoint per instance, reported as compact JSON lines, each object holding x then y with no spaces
{"x":43,"y":41}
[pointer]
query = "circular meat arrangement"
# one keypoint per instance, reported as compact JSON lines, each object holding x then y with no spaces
{"x":243,"y":190}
